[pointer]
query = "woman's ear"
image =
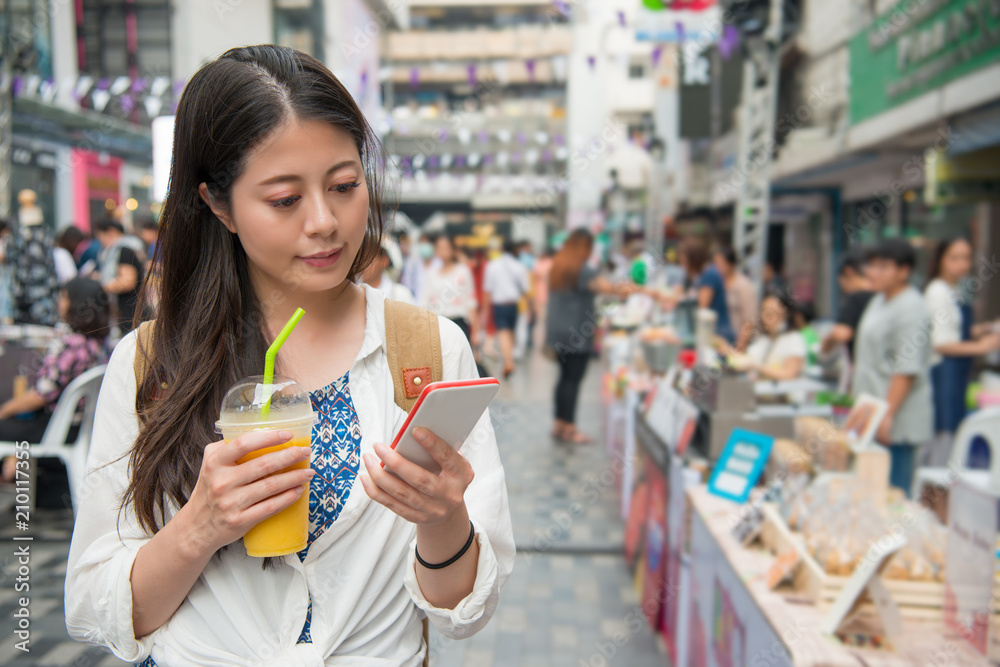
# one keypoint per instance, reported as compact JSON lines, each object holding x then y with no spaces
{"x":220,"y":213}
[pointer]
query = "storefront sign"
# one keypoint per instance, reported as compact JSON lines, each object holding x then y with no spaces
{"x":970,"y":564}
{"x":967,"y":178}
{"x":918,"y":46}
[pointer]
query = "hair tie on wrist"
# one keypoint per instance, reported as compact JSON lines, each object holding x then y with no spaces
{"x":439,"y":566}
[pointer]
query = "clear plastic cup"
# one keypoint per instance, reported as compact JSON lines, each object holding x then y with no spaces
{"x":290,"y":410}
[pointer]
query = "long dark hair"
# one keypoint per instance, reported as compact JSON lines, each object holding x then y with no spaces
{"x":210,"y":330}
{"x":570,"y":259}
{"x":937,"y":259}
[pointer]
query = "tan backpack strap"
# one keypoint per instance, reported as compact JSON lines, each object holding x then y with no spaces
{"x":413,"y":348}
{"x":143,"y":351}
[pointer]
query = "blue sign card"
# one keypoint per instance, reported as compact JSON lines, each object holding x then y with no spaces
{"x":740,"y":465}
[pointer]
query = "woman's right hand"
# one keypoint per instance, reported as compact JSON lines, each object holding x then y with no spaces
{"x":230,"y":498}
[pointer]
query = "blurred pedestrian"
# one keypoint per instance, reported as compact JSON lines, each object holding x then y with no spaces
{"x":34,"y":282}
{"x":741,"y":296}
{"x":62,"y":254}
{"x":856,"y":292}
{"x":83,"y":305}
{"x":121,"y":271}
{"x":148,"y":231}
{"x":956,"y":340}
{"x":893,"y":357}
{"x":709,"y":287}
{"x":6,"y":303}
{"x":377,"y":275}
{"x":505,"y":282}
{"x":572,"y":321}
{"x":450,"y":291}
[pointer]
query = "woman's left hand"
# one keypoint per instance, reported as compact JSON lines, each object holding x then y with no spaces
{"x":413,"y":493}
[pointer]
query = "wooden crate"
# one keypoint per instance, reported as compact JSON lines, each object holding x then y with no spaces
{"x":920,"y":600}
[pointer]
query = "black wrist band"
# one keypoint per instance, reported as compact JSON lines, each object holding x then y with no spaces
{"x":438,"y":566}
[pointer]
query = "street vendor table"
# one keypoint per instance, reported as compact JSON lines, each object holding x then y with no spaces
{"x":736,"y":620}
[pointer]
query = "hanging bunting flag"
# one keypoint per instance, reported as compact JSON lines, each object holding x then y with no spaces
{"x":680,"y":33}
{"x":159,"y":86}
{"x":153,"y":106}
{"x":621,"y":19}
{"x":473,"y":79}
{"x":483,"y":136}
{"x":83,"y":85}
{"x":414,"y":78}
{"x":103,"y":84}
{"x":100,"y":99}
{"x":16,"y":85}
{"x":120,"y":85}
{"x":592,"y":62}
{"x":364,"y":79}
{"x":138,"y":86}
{"x":530,"y":64}
{"x":128,"y":104}
{"x":657,"y":56}
{"x":730,"y":41}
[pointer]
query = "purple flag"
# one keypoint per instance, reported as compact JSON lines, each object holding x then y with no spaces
{"x":483,"y":136}
{"x":657,"y":56}
{"x":680,"y":33}
{"x":730,"y":41}
{"x":138,"y":86}
{"x":592,"y":61}
{"x":128,"y":103}
{"x":414,"y":78}
{"x":103,"y":84}
{"x":473,"y":79}
{"x":530,"y":64}
{"x":16,"y":85}
{"x":621,"y":19}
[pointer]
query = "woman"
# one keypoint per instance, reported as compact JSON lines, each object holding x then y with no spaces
{"x":956,"y":341}
{"x":449,"y":289}
{"x":741,"y":296}
{"x":710,"y":290}
{"x":779,"y":351}
{"x":571,"y":322}
{"x":82,"y":305}
{"x":274,"y":202}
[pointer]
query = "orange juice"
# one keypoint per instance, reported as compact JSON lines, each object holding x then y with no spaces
{"x":287,"y":531}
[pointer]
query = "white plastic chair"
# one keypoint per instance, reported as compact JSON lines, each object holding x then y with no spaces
{"x":84,"y":387}
{"x":983,"y":424}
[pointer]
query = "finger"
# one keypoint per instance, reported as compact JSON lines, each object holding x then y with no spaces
{"x":416,"y":476}
{"x":390,"y":503}
{"x":271,"y":506}
{"x":447,"y":457}
{"x":251,"y":494}
{"x":395,"y":486}
{"x":270,"y":463}
{"x":232,"y":451}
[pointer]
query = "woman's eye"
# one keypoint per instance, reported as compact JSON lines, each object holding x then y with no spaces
{"x":285,"y":202}
{"x":343,"y":188}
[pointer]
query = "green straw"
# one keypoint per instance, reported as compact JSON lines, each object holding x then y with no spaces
{"x":272,"y":353}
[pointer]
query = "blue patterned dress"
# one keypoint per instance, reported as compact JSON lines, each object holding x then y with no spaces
{"x":336,"y":458}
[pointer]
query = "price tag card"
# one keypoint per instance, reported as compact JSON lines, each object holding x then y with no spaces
{"x":740,"y":465}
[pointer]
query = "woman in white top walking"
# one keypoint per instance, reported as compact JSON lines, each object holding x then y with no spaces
{"x":450,"y":291}
{"x":956,"y":342}
{"x":274,"y":203}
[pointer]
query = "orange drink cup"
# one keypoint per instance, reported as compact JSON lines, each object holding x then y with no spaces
{"x":287,"y":408}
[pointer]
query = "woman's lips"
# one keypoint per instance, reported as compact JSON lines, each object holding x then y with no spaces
{"x":323,"y":260}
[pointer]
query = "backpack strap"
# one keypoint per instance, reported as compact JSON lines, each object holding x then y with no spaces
{"x":413,"y":348}
{"x":143,"y":351}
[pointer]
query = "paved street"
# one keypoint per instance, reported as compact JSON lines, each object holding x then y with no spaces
{"x":570,"y":592}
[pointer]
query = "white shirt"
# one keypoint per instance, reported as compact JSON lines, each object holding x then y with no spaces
{"x":505,"y":280}
{"x":65,"y":264}
{"x":367,"y":605}
{"x":451,"y":294}
{"x":946,"y":317}
{"x":773,"y":352}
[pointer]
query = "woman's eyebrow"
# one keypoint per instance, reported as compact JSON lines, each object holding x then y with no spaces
{"x":284,"y":178}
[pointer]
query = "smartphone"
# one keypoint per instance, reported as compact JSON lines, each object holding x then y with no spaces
{"x":449,"y":410}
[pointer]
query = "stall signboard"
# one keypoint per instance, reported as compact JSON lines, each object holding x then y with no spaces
{"x":727,"y":628}
{"x":672,"y":416}
{"x":917,"y":47}
{"x":740,"y":465}
{"x":969,"y":566}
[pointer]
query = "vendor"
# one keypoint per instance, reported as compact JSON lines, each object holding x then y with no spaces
{"x":779,"y":351}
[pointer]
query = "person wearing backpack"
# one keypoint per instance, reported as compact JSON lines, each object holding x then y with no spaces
{"x":275,"y":203}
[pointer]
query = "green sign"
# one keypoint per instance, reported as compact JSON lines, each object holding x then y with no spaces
{"x":919,"y":46}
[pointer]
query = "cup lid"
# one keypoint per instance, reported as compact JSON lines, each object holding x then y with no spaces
{"x":242,"y":405}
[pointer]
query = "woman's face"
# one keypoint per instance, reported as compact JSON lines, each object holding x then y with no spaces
{"x":773,"y":315}
{"x":957,"y":261}
{"x":724,"y":267}
{"x":300,"y":207}
{"x":443,"y":249}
